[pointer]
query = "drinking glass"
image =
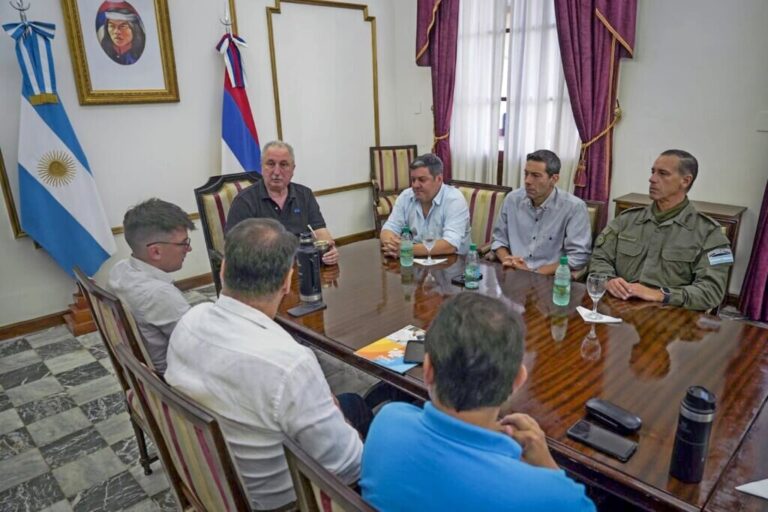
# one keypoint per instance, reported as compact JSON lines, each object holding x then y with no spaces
{"x":429,"y":243}
{"x":596,"y":288}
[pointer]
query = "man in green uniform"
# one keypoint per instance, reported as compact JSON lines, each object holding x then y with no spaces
{"x":668,"y":251}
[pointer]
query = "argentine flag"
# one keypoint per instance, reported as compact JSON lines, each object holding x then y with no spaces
{"x":240,"y":150}
{"x":60,"y":206}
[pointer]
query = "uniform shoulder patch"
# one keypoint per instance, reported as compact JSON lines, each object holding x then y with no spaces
{"x":720,"y":256}
{"x":606,"y":232}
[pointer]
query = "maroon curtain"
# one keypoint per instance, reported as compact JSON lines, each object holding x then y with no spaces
{"x":594,"y":35}
{"x":754,"y":289}
{"x":437,"y":27}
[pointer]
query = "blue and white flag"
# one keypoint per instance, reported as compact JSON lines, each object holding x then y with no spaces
{"x":60,"y":206}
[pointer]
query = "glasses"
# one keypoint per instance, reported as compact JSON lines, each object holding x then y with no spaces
{"x":284,"y":166}
{"x":184,"y":243}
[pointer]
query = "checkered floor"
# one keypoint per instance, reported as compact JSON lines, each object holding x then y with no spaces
{"x":65,"y":439}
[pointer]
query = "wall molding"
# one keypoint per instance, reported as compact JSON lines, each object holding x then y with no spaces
{"x":343,"y":188}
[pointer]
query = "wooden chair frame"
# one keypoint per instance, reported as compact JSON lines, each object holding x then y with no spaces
{"x":214,"y":184}
{"x":305,"y":470}
{"x":600,"y":207}
{"x":92,"y":292}
{"x":143,"y":378}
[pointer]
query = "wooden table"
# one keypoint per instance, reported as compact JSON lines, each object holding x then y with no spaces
{"x":644,"y":364}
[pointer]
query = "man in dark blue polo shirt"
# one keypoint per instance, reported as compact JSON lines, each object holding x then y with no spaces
{"x":455,"y":454}
{"x":275,"y":197}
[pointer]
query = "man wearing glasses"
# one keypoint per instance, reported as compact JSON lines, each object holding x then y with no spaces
{"x":158,"y":235}
{"x":276,"y":197}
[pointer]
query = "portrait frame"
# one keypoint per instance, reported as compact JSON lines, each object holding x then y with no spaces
{"x":102,"y":80}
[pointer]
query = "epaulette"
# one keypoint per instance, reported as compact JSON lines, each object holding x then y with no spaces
{"x":632,"y":209}
{"x":710,"y":219}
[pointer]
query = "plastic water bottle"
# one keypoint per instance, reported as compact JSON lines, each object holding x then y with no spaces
{"x":406,"y":248}
{"x":472,"y":269}
{"x":561,"y":291}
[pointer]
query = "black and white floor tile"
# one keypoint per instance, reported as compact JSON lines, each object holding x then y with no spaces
{"x":65,"y":440}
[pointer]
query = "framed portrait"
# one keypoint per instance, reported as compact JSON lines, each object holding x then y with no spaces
{"x":121,"y":51}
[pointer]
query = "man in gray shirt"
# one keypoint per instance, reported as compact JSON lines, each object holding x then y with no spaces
{"x":158,"y":235}
{"x":539,"y":223}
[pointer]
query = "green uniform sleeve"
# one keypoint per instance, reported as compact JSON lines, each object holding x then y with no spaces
{"x":604,"y":253}
{"x":711,"y":274}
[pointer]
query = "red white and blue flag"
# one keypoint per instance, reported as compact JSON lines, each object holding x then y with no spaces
{"x":240,"y":150}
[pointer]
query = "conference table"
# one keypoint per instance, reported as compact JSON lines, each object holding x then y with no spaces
{"x":644,"y":364}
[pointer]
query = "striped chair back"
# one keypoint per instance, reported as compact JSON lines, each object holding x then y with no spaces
{"x":389,"y":177}
{"x":193,"y":451}
{"x":389,"y":167}
{"x":213,"y":202}
{"x":317,"y":489}
{"x":115,"y":324}
{"x":484,"y":202}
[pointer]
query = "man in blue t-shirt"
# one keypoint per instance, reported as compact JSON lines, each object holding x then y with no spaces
{"x":455,"y":454}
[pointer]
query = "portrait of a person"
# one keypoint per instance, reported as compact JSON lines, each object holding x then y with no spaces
{"x":120,"y":32}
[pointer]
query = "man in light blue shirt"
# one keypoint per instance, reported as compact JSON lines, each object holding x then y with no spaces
{"x":455,"y":454}
{"x":539,"y":223}
{"x":428,"y":206}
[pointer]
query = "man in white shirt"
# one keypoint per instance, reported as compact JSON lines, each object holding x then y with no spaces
{"x":263,"y":386}
{"x":158,"y":235}
{"x":429,"y":206}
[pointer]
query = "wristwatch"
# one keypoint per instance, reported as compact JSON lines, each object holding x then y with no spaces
{"x":667,"y":294}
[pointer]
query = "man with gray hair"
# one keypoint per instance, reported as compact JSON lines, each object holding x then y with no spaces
{"x":232,"y":357}
{"x":455,"y":453}
{"x":158,"y":234}
{"x":275,"y":196}
{"x":539,"y":222}
{"x":428,"y":206}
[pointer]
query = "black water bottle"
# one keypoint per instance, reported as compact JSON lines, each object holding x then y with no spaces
{"x":692,"y":437}
{"x":308,"y":260}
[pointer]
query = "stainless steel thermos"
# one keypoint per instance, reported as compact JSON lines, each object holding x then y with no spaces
{"x":308,"y":259}
{"x":692,"y":437}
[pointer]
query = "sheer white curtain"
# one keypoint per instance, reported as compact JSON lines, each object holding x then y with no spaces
{"x":539,"y":114}
{"x":477,"y":92}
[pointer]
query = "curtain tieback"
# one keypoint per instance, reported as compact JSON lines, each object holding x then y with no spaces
{"x":438,"y":138}
{"x":580,"y":179}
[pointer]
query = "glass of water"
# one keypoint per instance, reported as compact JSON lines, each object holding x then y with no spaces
{"x":596,"y":288}
{"x":429,"y":242}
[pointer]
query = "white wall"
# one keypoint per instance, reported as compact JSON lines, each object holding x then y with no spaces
{"x":697,"y":82}
{"x":166,"y":150}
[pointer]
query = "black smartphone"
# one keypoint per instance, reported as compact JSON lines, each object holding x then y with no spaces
{"x":459,"y":279}
{"x":602,"y":440}
{"x":306,"y":308}
{"x":414,"y":352}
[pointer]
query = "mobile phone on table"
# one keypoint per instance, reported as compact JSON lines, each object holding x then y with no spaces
{"x":414,"y":352}
{"x":459,"y":279}
{"x":602,"y":440}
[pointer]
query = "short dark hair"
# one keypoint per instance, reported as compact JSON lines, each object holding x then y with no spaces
{"x":687,"y":164}
{"x":258,"y":254}
{"x":476,"y":346}
{"x":551,"y":160}
{"x":431,"y":161}
{"x":150,"y":219}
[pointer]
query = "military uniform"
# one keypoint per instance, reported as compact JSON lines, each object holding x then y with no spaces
{"x":688,"y":253}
